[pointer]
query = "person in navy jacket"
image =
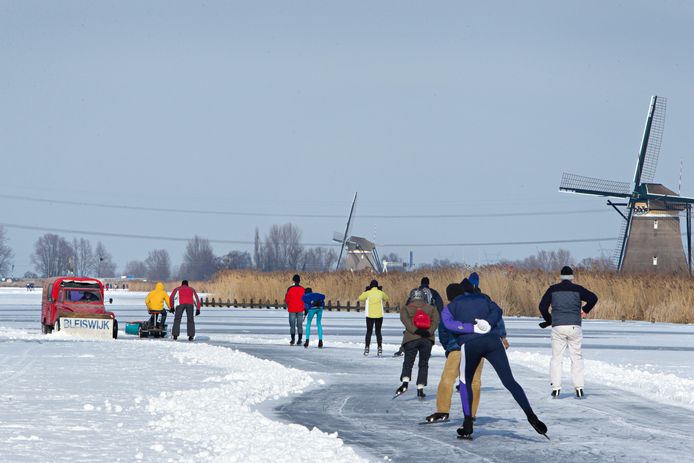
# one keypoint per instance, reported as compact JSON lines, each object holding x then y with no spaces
{"x":474,"y":319}
{"x":314,"y":303}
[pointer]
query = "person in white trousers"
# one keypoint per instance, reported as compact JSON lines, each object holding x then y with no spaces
{"x":566,"y":300}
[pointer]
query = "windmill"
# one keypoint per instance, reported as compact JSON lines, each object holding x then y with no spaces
{"x":360,"y":253}
{"x":650,"y":239}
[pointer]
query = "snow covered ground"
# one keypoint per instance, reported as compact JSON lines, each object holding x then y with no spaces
{"x":241,"y":393}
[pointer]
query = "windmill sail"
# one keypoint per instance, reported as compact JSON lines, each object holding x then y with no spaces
{"x":621,"y":248}
{"x":345,"y":237}
{"x":594,"y":186}
{"x":651,"y":141}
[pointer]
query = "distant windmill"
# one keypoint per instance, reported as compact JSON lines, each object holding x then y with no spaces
{"x":359,"y":253}
{"x":650,"y":238}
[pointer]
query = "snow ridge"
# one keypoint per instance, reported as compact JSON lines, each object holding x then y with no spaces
{"x":219,"y":418}
{"x":662,"y":387}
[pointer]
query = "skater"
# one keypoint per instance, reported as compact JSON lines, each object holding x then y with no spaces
{"x":474,"y":318}
{"x":432,"y":296}
{"x":184,"y":298}
{"x":451,"y":368}
{"x":421,"y":320}
{"x":314,"y":305}
{"x":565,"y":298}
{"x":295,"y":308}
{"x":373,"y":308}
{"x":477,"y":379}
{"x":155,"y":302}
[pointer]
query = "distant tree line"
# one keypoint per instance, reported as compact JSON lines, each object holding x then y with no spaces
{"x":553,"y":261}
{"x":54,"y":255}
{"x":280,"y":249}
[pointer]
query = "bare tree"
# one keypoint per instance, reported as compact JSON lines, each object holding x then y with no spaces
{"x":105,"y":267}
{"x":199,"y":262}
{"x":602,"y":263}
{"x":83,"y":259}
{"x":318,"y":259}
{"x":235,"y":260}
{"x":258,"y":259}
{"x":135,"y":268}
{"x":6,"y":253}
{"x":547,"y":261}
{"x":158,"y":265}
{"x":51,"y":255}
{"x":282,"y":248}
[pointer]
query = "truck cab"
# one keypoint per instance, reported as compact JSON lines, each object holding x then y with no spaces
{"x":73,"y":298}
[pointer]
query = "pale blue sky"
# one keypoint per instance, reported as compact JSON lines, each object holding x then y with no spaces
{"x":290,"y":107}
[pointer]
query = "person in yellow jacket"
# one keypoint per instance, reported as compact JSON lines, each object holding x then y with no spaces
{"x":374,"y":298}
{"x":156,"y":300}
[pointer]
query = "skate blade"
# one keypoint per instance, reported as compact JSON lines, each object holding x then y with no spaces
{"x":465,"y":437}
{"x":547,"y":436}
{"x":433,"y":422}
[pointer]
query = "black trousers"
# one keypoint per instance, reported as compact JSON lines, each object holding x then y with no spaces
{"x":370,"y":322}
{"x":423,"y":347}
{"x":178,"y":315}
{"x":489,"y":347}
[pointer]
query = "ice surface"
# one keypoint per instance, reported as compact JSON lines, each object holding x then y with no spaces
{"x":214,"y":400}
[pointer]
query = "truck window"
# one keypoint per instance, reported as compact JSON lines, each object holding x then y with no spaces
{"x":81,"y":295}
{"x":49,"y":295}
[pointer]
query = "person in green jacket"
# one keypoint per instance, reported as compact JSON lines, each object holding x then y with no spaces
{"x":374,"y":299}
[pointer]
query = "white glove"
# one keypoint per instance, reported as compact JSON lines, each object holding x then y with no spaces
{"x":481,"y":326}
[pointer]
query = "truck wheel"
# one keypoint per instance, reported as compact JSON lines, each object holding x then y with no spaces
{"x":115,"y":329}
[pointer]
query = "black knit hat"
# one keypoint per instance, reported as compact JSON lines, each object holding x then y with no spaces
{"x":425,"y":282}
{"x":453,"y":290}
{"x":296,"y":279}
{"x":566,"y":273}
{"x":373,"y":284}
{"x":466,"y":286}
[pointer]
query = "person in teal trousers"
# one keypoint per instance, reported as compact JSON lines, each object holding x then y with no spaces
{"x":314,"y":304}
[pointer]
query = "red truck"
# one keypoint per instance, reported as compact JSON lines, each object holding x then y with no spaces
{"x":76,"y":305}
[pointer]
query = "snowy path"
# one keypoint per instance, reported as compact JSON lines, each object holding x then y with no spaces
{"x":640,"y":386}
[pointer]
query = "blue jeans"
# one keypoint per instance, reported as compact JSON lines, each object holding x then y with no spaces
{"x":296,"y":320}
{"x":319,"y":316}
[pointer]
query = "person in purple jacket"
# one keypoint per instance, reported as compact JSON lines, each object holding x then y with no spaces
{"x":473,"y":318}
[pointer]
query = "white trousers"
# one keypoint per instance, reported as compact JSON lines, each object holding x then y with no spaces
{"x":563,"y":336}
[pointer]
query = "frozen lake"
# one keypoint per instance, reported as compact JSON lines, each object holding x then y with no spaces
{"x":207,"y":401}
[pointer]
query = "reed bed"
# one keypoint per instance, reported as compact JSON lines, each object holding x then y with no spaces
{"x":656,"y":298}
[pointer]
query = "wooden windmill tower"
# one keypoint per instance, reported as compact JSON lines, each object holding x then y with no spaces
{"x":650,"y":239}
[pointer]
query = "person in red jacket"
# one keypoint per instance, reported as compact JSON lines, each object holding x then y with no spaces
{"x":295,"y":307}
{"x":184,"y":298}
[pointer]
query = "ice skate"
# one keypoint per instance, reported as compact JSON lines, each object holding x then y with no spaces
{"x":437,"y":417}
{"x":465,"y":431}
{"x":538,"y":425}
{"x":401,"y":390}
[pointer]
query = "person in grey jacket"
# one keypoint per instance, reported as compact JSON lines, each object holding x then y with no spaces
{"x":566,"y":300}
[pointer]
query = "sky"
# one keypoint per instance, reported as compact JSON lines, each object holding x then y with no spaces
{"x":288,"y":108}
